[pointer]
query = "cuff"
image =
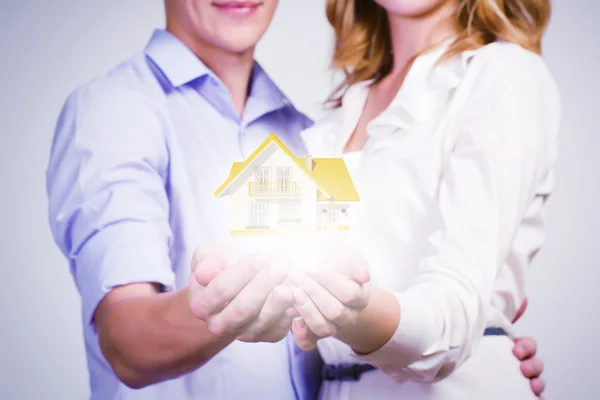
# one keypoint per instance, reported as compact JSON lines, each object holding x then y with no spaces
{"x":119,"y":256}
{"x":412,"y":338}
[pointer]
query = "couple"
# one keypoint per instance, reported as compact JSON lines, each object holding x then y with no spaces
{"x":447,"y":121}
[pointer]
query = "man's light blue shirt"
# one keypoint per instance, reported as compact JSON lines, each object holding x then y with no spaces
{"x":136,"y":158}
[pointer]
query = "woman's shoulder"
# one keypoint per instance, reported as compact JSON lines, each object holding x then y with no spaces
{"x":503,"y":70}
{"x":501,"y":63}
{"x":501,"y":49}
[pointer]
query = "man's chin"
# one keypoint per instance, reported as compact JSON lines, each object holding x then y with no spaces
{"x":240,"y":40}
{"x":241,"y":50}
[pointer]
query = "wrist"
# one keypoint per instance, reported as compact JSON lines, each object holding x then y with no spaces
{"x":375,"y":325}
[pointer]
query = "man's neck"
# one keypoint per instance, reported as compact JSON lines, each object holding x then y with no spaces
{"x":233,"y":69}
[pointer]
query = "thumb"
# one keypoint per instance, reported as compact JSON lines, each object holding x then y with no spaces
{"x":353,"y":265}
{"x":305,"y":339}
{"x":520,"y":311}
{"x":206,"y":270}
{"x":210,"y":259}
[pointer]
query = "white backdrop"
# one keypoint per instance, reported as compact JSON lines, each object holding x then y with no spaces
{"x":47,"y":48}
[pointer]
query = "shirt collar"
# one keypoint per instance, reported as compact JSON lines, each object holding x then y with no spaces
{"x":181,"y":66}
{"x":262,"y":86}
{"x":176,"y":61}
{"x":424,"y":91}
{"x":264,"y":97}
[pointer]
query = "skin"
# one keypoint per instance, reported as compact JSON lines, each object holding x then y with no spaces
{"x":224,"y":43}
{"x":149,"y":336}
{"x":335,"y":299}
{"x":333,"y":303}
{"x":186,"y":328}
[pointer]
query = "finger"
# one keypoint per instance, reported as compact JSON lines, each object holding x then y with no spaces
{"x":520,"y":311}
{"x":310,"y":314}
{"x":206,"y":250}
{"x":347,"y":291}
{"x":538,"y":385}
{"x":249,"y":301}
{"x":351,"y":263}
{"x":525,"y":348}
{"x":292,"y":312}
{"x":330,"y":307}
{"x":305,"y":338}
{"x":272,"y":317}
{"x":532,"y":368}
{"x":276,"y":332}
{"x":227,"y":285}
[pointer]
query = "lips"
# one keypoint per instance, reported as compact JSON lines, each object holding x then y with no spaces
{"x":237,"y":8}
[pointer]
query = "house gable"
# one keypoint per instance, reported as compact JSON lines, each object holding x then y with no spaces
{"x":242,"y":172}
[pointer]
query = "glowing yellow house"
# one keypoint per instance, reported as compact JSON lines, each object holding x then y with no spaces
{"x":274,"y":192}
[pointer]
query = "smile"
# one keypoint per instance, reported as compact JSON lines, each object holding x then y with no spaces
{"x":238,"y":8}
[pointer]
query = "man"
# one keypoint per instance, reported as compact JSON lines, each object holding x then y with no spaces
{"x":136,"y":157}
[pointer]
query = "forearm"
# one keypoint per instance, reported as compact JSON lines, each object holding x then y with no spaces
{"x":149,"y":339}
{"x":375,"y":325}
{"x":437,"y":326}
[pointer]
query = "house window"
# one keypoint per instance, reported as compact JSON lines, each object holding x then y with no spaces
{"x":288,"y":211}
{"x":284,"y":181}
{"x":259,"y":214}
{"x":263,"y":177}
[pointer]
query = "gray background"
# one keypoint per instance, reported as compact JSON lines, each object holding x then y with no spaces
{"x":47,"y":48}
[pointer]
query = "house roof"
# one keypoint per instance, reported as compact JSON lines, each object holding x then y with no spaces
{"x":336,"y":178}
{"x":329,"y":174}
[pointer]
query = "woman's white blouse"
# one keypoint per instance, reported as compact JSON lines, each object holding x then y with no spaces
{"x":452,"y":183}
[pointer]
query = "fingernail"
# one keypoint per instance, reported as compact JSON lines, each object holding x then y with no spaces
{"x":299,"y":296}
{"x":362,"y":277}
{"x":291,"y":312}
{"x":283,"y":293}
{"x":300,"y":324}
{"x":520,"y":351}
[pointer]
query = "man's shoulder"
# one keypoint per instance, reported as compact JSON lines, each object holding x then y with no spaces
{"x":132,"y":83}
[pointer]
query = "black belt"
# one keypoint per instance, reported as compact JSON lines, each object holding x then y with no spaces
{"x":345,"y":372}
{"x":352,"y":372}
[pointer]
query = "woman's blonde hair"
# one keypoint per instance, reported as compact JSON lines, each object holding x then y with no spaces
{"x":363,"y":44}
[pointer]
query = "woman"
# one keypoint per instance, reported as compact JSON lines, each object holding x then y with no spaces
{"x":448,"y":121}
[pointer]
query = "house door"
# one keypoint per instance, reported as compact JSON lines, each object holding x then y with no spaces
{"x":331,"y":217}
{"x":259,"y":214}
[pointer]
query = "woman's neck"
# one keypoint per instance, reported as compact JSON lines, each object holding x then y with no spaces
{"x":411,"y":35}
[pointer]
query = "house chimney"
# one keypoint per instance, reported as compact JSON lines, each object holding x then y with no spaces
{"x":309,"y":162}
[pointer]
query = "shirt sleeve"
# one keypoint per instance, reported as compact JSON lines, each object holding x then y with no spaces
{"x":500,"y":155}
{"x":106,"y":179}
